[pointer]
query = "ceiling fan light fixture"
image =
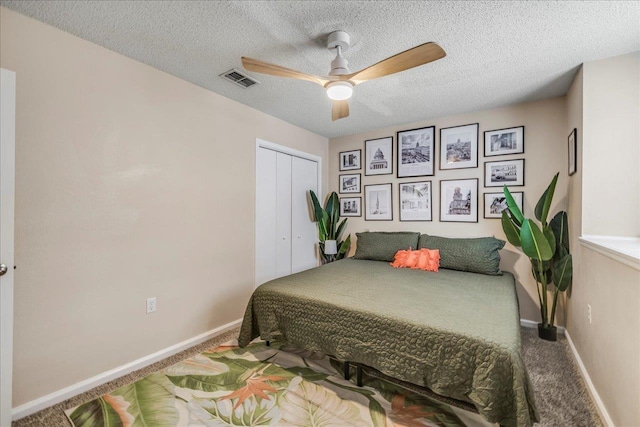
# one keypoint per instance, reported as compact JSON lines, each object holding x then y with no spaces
{"x":339,"y":91}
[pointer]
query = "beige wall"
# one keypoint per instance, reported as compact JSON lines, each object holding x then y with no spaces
{"x":610,"y":346}
{"x":130,"y":183}
{"x":545,"y":154}
{"x":612,"y":144}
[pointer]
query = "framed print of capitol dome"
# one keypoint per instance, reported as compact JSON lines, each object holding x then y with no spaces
{"x":378,"y":156}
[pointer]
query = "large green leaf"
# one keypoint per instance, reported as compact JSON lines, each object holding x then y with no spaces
{"x":560,"y":226}
{"x":341,"y":228}
{"x":308,"y":404}
{"x":343,"y":249}
{"x":563,"y":272}
{"x":95,"y":413}
{"x":511,"y":230}
{"x":333,"y":210}
{"x":551,"y":238}
{"x":534,"y":243}
{"x":544,"y":204}
{"x":151,"y":401}
{"x":516,"y":213}
{"x":317,"y":209}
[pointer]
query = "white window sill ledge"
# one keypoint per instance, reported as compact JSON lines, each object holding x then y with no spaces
{"x":622,"y":249}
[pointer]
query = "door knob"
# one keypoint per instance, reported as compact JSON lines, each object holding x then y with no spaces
{"x":3,"y":269}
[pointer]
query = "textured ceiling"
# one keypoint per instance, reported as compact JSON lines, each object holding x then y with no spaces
{"x":498,"y":53}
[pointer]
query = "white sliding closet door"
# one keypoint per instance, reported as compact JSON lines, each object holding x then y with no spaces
{"x":286,"y":236}
{"x":283,"y":215}
{"x":304,"y":177}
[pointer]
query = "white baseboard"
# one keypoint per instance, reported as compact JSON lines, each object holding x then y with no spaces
{"x":604,"y":415}
{"x":533,"y":324}
{"x":75,"y":389}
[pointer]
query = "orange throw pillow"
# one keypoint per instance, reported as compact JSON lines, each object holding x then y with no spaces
{"x":423,"y":259}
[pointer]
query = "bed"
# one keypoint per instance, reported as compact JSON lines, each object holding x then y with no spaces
{"x":454,"y":332}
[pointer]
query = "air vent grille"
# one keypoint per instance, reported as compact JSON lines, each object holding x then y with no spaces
{"x":238,"y":78}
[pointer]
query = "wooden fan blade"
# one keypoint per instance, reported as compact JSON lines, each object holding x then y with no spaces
{"x":278,"y":71}
{"x":339,"y":110}
{"x":411,"y":58}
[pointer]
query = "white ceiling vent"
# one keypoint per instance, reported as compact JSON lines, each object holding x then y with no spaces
{"x":238,"y":78}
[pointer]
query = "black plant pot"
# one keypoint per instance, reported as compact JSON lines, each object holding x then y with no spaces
{"x":549,"y":334}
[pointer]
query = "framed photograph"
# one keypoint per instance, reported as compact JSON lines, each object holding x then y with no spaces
{"x":415,"y":152}
{"x":415,"y":201}
{"x":349,"y":183}
{"x":377,"y":202}
{"x":501,"y":142}
{"x":459,"y":147}
{"x":508,"y":172}
{"x":495,"y":203}
{"x":351,"y":206}
{"x":573,"y":149}
{"x":459,"y":200}
{"x":350,"y":160}
{"x":378,"y":155}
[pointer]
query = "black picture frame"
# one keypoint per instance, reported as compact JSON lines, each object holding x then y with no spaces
{"x":401,"y":202}
{"x":494,"y":177}
{"x":388,"y":215}
{"x":572,"y":141}
{"x":490,"y":146}
{"x":356,"y":185}
{"x":517,"y":195}
{"x":350,"y":213}
{"x":385,"y":145}
{"x":425,"y":142}
{"x":446,"y":187}
{"x":445,"y":133}
{"x":351,"y":157}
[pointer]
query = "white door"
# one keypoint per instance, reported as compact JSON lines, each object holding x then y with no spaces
{"x":283,"y":214}
{"x":285,"y":235}
{"x":7,"y":179}
{"x":304,"y":234}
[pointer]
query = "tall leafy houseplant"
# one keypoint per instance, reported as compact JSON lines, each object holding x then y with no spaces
{"x":547,"y":247}
{"x":330,"y":227}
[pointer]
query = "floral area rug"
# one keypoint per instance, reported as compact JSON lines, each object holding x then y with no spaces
{"x":264,"y":386}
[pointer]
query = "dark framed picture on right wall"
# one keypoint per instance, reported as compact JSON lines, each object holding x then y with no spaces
{"x":573,"y":148}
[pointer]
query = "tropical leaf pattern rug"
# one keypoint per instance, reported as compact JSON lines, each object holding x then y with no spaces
{"x":263,"y":386}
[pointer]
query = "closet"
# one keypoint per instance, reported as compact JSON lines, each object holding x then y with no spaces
{"x":286,"y":236}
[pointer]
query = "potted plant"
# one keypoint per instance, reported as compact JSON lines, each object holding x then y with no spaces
{"x":330,"y":228}
{"x":547,"y":247}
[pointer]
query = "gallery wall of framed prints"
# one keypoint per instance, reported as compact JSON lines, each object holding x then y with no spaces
{"x":457,"y":193}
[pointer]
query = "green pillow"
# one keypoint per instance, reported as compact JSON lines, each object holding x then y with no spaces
{"x":382,"y":246}
{"x":479,"y":255}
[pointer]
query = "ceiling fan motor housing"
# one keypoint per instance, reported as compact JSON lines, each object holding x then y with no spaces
{"x":340,"y":41}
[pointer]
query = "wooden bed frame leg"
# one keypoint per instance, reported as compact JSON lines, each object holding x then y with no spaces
{"x":359,"y":375}
{"x":347,"y":371}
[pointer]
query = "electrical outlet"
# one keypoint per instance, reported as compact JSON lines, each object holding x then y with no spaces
{"x":589,"y":312}
{"x":151,"y":305}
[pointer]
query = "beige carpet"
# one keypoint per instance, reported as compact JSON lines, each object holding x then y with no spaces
{"x":561,"y":395}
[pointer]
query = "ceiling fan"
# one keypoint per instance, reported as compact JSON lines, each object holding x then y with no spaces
{"x":340,"y":82}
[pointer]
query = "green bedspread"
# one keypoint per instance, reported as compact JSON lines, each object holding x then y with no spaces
{"x":457,"y":333}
